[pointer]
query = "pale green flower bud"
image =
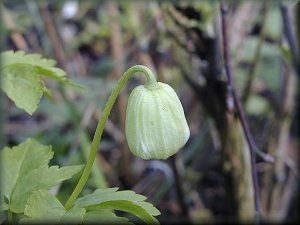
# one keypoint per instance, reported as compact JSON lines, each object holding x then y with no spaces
{"x":156,"y":127}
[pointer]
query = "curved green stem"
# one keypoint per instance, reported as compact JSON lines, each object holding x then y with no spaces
{"x":9,"y":217}
{"x":151,"y":81}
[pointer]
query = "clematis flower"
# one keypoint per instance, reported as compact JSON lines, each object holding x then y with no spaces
{"x":156,"y":127}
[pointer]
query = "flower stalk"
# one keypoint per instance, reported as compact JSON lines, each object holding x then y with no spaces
{"x":151,"y":82}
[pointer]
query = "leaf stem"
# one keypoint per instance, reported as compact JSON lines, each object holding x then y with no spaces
{"x":9,"y":217}
{"x":151,"y":81}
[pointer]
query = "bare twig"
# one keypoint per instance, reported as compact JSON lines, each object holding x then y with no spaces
{"x":289,"y":37}
{"x":239,"y":108}
{"x":53,"y":35}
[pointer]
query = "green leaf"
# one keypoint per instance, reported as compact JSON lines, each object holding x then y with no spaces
{"x":19,"y":57}
{"x":127,"y":201}
{"x":19,"y":160}
{"x":43,"y":177}
{"x":130,"y":207}
{"x":22,"y":85}
{"x":22,"y":78}
{"x":3,"y":205}
{"x":74,"y":215}
{"x":104,"y":216}
{"x":44,"y":67}
{"x":25,"y":169}
{"x":43,"y":206}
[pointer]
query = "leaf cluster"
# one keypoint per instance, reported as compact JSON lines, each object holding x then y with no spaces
{"x":22,"y":78}
{"x":26,"y":173}
{"x":28,"y":176}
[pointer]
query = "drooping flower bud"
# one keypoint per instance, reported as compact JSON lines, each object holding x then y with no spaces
{"x":156,"y":127}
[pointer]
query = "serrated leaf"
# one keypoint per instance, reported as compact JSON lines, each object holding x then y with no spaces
{"x":43,"y":207}
{"x":74,"y":215}
{"x":104,"y":216}
{"x":53,"y":75}
{"x":19,"y":160}
{"x":43,"y":177}
{"x":22,"y":77}
{"x":25,"y":169}
{"x":127,"y":201}
{"x":44,"y":67}
{"x":23,"y":86}
{"x":19,"y":57}
{"x":128,"y":206}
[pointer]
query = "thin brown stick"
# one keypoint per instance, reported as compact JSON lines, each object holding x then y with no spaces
{"x":289,"y":37}
{"x":53,"y":35}
{"x":239,"y":109}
